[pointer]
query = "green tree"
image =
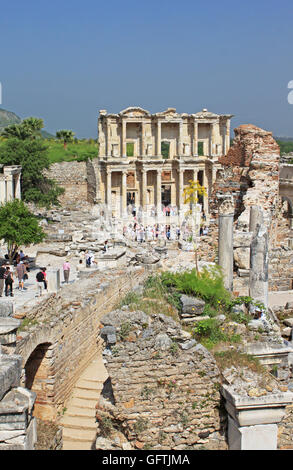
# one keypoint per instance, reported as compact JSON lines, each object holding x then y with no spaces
{"x":18,"y":227}
{"x":66,"y":136}
{"x":28,"y":128}
{"x":32,"y":155}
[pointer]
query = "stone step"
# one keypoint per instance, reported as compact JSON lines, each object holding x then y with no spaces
{"x":79,"y":422}
{"x":89,"y":384}
{"x":76,"y":445}
{"x":81,"y":411}
{"x":78,"y":435}
{"x":83,"y":403}
{"x":86,"y":394}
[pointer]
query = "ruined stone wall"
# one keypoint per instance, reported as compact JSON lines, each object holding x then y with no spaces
{"x":74,"y":178}
{"x":67,"y":325}
{"x":165,"y":386}
{"x":285,"y":430}
{"x":250,"y":173}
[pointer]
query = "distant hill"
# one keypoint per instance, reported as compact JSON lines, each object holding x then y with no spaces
{"x":284,"y":139}
{"x":7,"y":118}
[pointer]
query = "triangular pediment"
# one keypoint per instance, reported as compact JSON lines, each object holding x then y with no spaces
{"x":134,"y":111}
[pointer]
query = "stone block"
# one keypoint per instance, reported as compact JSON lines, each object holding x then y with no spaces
{"x":6,"y":308}
{"x":192,"y":305}
{"x":258,"y":437}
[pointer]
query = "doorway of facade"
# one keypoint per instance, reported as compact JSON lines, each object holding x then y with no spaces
{"x":166,"y":195}
{"x":130,"y":198}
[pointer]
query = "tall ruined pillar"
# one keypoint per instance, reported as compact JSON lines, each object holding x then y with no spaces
{"x":259,"y":266}
{"x":255,"y":218}
{"x":226,"y":217}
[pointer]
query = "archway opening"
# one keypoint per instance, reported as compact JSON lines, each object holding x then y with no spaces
{"x":38,"y":378}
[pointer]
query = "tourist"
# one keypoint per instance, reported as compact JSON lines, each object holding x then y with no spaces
{"x":66,"y":271}
{"x":105,"y":247}
{"x":45,"y":278}
{"x":40,"y":281}
{"x":205,"y":231}
{"x":21,"y":255}
{"x":8,"y":276}
{"x":2,"y":272}
{"x":20,"y":270}
{"x":79,"y":268}
{"x":168,"y":233}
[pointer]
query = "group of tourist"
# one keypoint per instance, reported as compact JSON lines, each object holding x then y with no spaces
{"x":140,"y":233}
{"x":21,"y":265}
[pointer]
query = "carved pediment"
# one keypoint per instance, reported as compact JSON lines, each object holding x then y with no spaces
{"x":168,"y":113}
{"x":134,"y":112}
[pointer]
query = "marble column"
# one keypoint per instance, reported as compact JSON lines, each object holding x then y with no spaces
{"x":9,"y":188}
{"x":108,"y":140}
{"x":159,"y":153}
{"x":180,"y":188}
{"x":195,"y":139}
{"x":206,"y":196}
{"x":144,"y":189}
{"x":180,"y":140}
{"x":109,"y":186}
{"x":227,"y":137}
{"x":2,"y":191}
{"x":159,"y":191}
{"x":259,"y":266}
{"x":124,"y":193}
{"x":213,"y":140}
{"x":123,"y":138}
{"x":17,"y":186}
{"x":255,"y":217}
{"x":226,"y":216}
{"x":142,"y":138}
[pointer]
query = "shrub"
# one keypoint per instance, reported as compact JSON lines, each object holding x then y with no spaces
{"x":208,"y":285}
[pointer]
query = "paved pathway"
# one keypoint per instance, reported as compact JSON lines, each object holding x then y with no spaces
{"x":25,"y":300}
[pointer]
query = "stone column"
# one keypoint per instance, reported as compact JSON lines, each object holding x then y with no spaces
{"x":9,"y":188}
{"x":226,"y":216}
{"x":259,"y":266}
{"x":255,"y":217}
{"x":159,"y":191}
{"x":2,"y":191}
{"x":227,"y":137}
{"x":180,"y":188}
{"x":109,"y":186}
{"x":108,"y":139}
{"x":123,"y":139}
{"x":144,"y":188}
{"x":195,"y":139}
{"x":17,"y":186}
{"x":180,"y":143}
{"x":159,"y":153}
{"x":213,"y":140}
{"x":124,"y":193}
{"x":206,"y":196}
{"x":142,"y":138}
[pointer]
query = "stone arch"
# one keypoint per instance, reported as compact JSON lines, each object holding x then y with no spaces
{"x":38,"y":371}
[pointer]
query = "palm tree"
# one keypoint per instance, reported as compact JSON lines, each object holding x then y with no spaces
{"x":28,"y":128}
{"x":65,"y":135}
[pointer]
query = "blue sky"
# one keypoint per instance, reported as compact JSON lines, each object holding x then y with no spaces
{"x":65,"y":60}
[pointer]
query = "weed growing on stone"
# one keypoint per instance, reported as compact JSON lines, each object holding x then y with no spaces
{"x":140,"y":425}
{"x":125,"y":329}
{"x":106,"y":426}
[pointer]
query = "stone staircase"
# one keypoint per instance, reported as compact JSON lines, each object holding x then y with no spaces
{"x":79,"y":423}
